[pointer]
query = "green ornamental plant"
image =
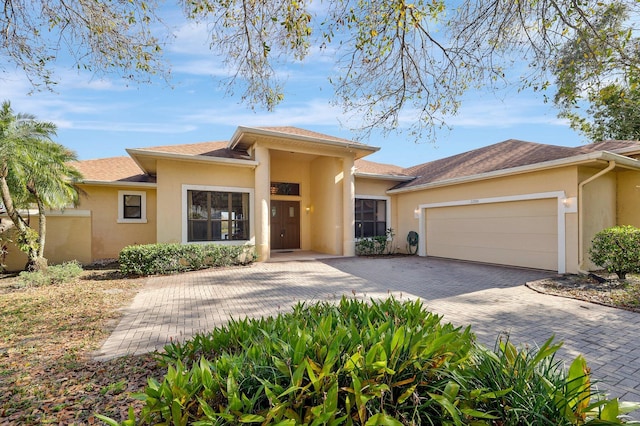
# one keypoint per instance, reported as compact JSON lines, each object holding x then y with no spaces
{"x":356,"y":363}
{"x":617,"y":249}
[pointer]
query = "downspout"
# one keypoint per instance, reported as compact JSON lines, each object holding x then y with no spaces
{"x":611,"y":166}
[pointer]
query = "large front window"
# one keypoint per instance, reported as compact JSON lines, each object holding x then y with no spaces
{"x":217,"y":216}
{"x":371,"y":217}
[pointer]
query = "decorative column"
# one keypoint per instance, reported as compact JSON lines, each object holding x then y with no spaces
{"x":263,"y":199}
{"x":348,"y":203}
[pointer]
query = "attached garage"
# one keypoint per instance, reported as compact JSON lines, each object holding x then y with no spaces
{"x":516,"y":232}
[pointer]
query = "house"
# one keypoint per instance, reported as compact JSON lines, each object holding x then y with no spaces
{"x":284,"y":188}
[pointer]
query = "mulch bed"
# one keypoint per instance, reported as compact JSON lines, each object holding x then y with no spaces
{"x":612,"y":292}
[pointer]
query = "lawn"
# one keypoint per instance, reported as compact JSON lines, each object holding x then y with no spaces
{"x":47,"y":335}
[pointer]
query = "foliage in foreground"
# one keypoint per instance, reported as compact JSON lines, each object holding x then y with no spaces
{"x":57,"y":274}
{"x":149,"y":259}
{"x":617,"y":249}
{"x":386,"y":362}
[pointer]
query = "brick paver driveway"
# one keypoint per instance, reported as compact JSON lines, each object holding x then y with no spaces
{"x":492,"y":299}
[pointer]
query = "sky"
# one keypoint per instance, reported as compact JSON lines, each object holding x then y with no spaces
{"x":102,"y":116}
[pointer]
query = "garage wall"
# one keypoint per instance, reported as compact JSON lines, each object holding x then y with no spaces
{"x":599,"y":207}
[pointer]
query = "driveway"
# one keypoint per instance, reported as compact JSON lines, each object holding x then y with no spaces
{"x":492,"y":299}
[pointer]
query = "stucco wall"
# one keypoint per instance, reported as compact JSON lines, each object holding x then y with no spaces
{"x":628,"y":198}
{"x":326,"y":218}
{"x":599,"y":207}
{"x":171,"y":175}
{"x":109,"y":236}
{"x":68,"y":238}
{"x":562,"y":179}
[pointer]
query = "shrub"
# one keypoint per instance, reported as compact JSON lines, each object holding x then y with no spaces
{"x":56,"y":274}
{"x":617,"y":250}
{"x":152,"y":259}
{"x":375,"y":246}
{"x":355,"y":363}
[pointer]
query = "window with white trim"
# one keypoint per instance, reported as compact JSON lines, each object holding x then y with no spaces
{"x":217,"y":215}
{"x":132,"y":207}
{"x":370,"y":217}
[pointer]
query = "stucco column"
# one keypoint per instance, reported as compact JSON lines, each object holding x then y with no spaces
{"x":348,"y":203}
{"x":263,"y":197}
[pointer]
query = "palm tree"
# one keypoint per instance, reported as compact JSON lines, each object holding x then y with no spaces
{"x":33,"y":170}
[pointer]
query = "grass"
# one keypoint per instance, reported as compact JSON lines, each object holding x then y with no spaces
{"x":47,"y":335}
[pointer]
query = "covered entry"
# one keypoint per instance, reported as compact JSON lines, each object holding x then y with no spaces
{"x":518,"y":233}
{"x":285,"y":225}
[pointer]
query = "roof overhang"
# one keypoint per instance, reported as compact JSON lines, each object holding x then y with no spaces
{"x":377,"y":176}
{"x":147,"y":159}
{"x":596,"y":158}
{"x":244,"y":138}
{"x":118,"y":183}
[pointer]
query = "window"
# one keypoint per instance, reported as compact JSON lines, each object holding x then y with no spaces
{"x":217,"y":216}
{"x":285,"y":188}
{"x":132,"y":207}
{"x":371,"y":217}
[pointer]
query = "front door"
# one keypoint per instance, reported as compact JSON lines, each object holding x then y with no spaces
{"x":285,"y":225}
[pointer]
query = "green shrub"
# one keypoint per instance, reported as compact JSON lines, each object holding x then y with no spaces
{"x":152,"y":259}
{"x":617,"y":250}
{"x":56,"y":274}
{"x":385,"y":362}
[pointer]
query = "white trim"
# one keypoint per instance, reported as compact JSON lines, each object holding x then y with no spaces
{"x":397,"y":178}
{"x":378,"y":197}
{"x":71,"y":212}
{"x":562,"y":209}
{"x":143,"y":207}
{"x":252,"y":226}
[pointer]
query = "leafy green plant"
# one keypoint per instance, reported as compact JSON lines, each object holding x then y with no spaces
{"x":149,"y":259}
{"x":56,"y":274}
{"x":375,"y":246}
{"x":617,"y":249}
{"x":382,"y":362}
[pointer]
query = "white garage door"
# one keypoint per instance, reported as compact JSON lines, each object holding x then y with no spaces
{"x":518,"y":233}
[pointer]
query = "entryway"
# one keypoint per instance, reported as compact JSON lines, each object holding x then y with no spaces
{"x":285,"y":225}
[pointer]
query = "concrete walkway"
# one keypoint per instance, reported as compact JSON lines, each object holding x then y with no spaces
{"x":492,"y":299}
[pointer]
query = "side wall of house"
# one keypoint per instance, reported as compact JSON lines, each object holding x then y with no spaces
{"x":561,"y":179}
{"x":326,"y":190}
{"x":172,"y":175}
{"x":628,"y":201}
{"x":599,"y":207}
{"x":109,"y":235}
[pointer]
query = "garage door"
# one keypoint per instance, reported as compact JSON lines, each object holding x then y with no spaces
{"x":518,"y":233}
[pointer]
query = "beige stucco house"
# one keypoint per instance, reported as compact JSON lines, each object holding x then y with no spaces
{"x":283,"y":188}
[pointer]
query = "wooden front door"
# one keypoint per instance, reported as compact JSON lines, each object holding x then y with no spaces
{"x":285,"y":225}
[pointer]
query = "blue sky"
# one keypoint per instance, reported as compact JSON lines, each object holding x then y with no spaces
{"x":101,"y":117}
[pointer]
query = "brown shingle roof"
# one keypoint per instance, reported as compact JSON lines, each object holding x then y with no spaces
{"x":296,"y":131}
{"x":209,"y":149}
{"x":500,"y":156}
{"x":370,"y":167}
{"x":114,"y":169}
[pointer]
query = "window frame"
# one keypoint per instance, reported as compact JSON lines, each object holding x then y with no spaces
{"x":374,"y":198}
{"x":121,"y":207}
{"x":225,"y":189}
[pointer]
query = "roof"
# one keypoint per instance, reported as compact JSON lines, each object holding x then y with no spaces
{"x":208,"y":149}
{"x":114,"y":169}
{"x":503,"y":156}
{"x":296,"y":131}
{"x":373,"y":169}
